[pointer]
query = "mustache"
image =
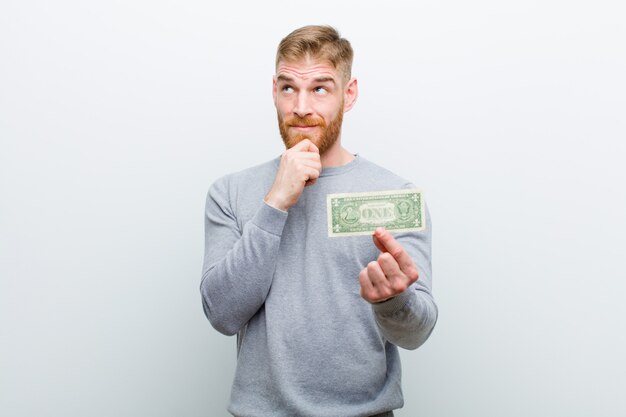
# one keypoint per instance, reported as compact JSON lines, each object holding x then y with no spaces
{"x":304,"y":121}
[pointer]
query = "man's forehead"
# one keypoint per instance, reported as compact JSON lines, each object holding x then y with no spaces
{"x":306,"y":69}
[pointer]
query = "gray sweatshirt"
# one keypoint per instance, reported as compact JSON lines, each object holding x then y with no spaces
{"x":308,"y":344}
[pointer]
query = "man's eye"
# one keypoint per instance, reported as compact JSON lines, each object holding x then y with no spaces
{"x":321,"y":90}
{"x":287,"y":89}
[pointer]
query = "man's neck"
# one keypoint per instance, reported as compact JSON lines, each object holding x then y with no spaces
{"x":336,"y":156}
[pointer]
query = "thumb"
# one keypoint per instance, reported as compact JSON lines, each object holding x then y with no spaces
{"x":379,"y":244}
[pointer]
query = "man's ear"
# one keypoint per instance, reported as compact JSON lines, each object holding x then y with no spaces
{"x":350,"y":94}
{"x":274,"y":88}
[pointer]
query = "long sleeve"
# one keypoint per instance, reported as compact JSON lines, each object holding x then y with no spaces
{"x":408,"y":319}
{"x":312,"y":344}
{"x":239,"y":263}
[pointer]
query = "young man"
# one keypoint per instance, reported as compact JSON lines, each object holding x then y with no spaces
{"x":318,"y":318}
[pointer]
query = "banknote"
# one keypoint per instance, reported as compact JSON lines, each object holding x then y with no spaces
{"x":354,"y":214}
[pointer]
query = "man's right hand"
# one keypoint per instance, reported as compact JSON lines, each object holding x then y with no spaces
{"x":300,"y":166}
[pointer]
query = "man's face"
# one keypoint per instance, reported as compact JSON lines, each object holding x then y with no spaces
{"x":309,"y":98}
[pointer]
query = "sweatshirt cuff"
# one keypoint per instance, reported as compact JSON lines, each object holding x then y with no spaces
{"x":394,"y":304}
{"x":270,"y":219}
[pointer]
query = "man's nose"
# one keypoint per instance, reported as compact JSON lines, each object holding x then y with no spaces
{"x":302,"y":106}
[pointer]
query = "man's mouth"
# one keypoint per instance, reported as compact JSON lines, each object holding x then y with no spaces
{"x":303,"y":127}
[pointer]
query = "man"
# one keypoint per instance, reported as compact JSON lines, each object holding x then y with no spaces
{"x":318,"y":318}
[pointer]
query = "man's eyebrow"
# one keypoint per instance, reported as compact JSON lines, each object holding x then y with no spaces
{"x":321,"y":79}
{"x":325,"y":79}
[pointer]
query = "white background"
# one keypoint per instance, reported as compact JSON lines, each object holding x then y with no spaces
{"x":115,"y":117}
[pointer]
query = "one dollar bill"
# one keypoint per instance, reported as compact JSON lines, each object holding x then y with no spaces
{"x":354,"y":214}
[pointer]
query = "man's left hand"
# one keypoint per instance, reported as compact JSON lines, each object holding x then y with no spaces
{"x":391,"y":274}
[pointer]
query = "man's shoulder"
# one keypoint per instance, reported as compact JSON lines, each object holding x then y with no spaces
{"x":387,"y":178}
{"x":251,"y":176}
{"x":242,"y":190}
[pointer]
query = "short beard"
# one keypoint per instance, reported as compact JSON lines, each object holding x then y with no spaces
{"x":326,"y":139}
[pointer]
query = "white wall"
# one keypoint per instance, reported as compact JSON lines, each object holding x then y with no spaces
{"x":116,"y":116}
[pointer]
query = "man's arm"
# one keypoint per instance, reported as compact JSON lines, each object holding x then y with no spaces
{"x":398,"y":284}
{"x":238,"y":264}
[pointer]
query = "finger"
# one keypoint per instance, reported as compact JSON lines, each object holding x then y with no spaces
{"x":310,"y":155}
{"x":398,"y":280}
{"x":367,"y":289}
{"x":378,"y":244}
{"x":305,"y":145}
{"x":311,"y":173}
{"x":312,"y":147}
{"x":311,"y":159}
{"x":376,"y":275}
{"x":397,"y":251}
{"x":302,"y":146}
{"x":389,"y":266}
{"x":310,"y":176}
{"x":312,"y":163}
{"x":382,"y":289}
